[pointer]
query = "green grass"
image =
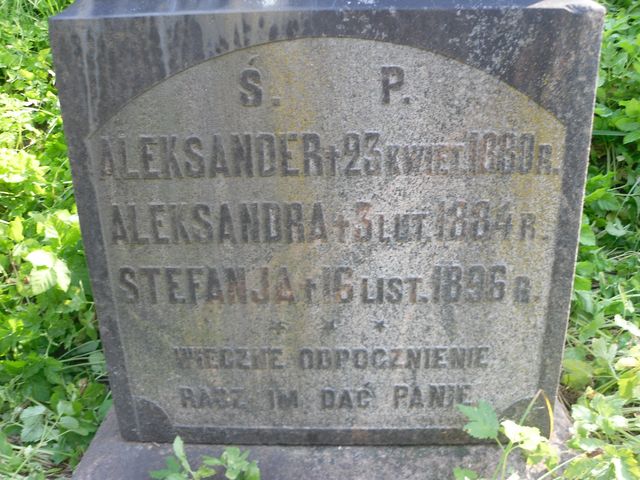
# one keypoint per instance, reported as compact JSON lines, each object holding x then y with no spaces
{"x":53,"y":390}
{"x":602,"y":359}
{"x":52,"y":387}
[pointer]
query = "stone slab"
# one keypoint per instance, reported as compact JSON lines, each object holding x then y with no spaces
{"x":109,"y":456}
{"x":321,"y":222}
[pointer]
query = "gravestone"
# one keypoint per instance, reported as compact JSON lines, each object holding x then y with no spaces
{"x":328,"y":223}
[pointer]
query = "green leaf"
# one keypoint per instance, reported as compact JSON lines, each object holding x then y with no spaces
{"x":178,"y":449}
{"x":608,"y":133}
{"x":528,"y":438}
{"x":173,"y":469}
{"x":63,"y":276}
{"x":615,"y":228}
{"x":629,"y":386}
{"x":177,"y":476}
{"x":55,"y":272}
{"x":632,"y":107}
{"x":204,"y":472}
{"x":536,"y":447}
{"x":577,"y":373}
{"x":212,"y":461}
{"x":630,"y":359}
{"x":627,"y":124}
{"x":581,"y":283}
{"x":483,"y":420}
{"x":595,"y":195}
{"x":159,"y":474}
{"x":5,"y":446}
{"x":585,"y":269}
{"x":232,"y":473}
{"x":626,"y":467}
{"x":464,"y":474}
{"x":627,"y":326}
{"x":631,"y":137}
{"x":97,"y":362}
{"x":41,"y":280}
{"x":52,"y":371}
{"x":15,"y":230}
{"x":32,"y":430}
{"x":587,"y":237}
{"x":34,"y":411}
{"x":173,"y":465}
{"x":32,"y":423}
{"x":604,"y":350}
{"x":581,"y":468}
{"x":65,"y":407}
{"x":168,"y":475}
{"x":26,"y":74}
{"x":41,"y":258}
{"x":252,"y":472}
{"x":587,"y":444}
{"x":69,"y":423}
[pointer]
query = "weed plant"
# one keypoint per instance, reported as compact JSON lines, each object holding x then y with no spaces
{"x":53,"y":391}
{"x":233,"y":462}
{"x":602,"y":359}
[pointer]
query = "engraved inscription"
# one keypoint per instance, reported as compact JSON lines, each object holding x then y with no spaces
{"x":251,"y":89}
{"x":300,"y":222}
{"x":447,"y":284}
{"x":331,"y":398}
{"x":293,"y":154}
{"x":430,"y":396}
{"x":392,"y":79}
{"x":263,"y":358}
{"x":412,"y":358}
{"x":283,"y":400}
{"x":327,"y":233}
{"x":212,"y":397}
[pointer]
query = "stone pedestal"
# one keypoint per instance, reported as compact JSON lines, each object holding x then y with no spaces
{"x":111,"y":457}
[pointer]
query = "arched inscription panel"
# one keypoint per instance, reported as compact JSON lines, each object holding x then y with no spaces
{"x":329,"y":234}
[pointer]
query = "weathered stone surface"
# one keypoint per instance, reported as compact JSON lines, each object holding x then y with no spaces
{"x":327,"y":222}
{"x":116,"y":459}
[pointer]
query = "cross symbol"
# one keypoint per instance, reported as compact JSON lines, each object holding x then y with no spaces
{"x":379,"y":325}
{"x":342,"y":225}
{"x":329,"y":325}
{"x":278,"y":326}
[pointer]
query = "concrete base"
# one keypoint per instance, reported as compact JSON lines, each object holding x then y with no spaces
{"x":110,"y":457}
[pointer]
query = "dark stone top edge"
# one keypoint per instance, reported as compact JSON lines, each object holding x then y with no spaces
{"x":94,"y":9}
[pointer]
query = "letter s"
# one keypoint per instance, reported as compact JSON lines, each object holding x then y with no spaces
{"x":250,"y":82}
